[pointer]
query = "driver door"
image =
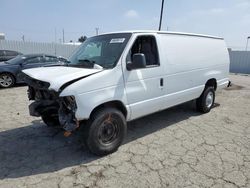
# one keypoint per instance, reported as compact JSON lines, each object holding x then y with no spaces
{"x":144,"y":86}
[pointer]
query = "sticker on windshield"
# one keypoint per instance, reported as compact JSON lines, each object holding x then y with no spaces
{"x":117,"y":40}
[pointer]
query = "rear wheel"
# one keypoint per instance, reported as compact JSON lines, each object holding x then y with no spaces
{"x":105,"y":131}
{"x":6,"y":80}
{"x":206,"y":101}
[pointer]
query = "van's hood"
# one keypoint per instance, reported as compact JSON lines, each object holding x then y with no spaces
{"x":58,"y":76}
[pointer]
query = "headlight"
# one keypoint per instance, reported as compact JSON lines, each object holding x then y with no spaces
{"x":70,"y":103}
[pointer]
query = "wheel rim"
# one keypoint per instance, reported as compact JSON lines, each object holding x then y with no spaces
{"x":209,"y":99}
{"x":108,"y":131}
{"x":5,"y":81}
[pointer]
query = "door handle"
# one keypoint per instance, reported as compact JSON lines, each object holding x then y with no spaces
{"x":161,"y":82}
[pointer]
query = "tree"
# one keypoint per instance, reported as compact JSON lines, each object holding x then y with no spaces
{"x":82,"y":39}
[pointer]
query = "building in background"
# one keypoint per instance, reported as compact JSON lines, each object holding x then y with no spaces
{"x":2,"y":36}
{"x":239,"y":61}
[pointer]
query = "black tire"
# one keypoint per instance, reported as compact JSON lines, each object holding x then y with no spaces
{"x":51,"y":119}
{"x":6,"y":80}
{"x":206,"y":101}
{"x":105,"y":131}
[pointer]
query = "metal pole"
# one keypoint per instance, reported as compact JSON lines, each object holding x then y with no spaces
{"x":63,"y":36}
{"x":247,"y":42}
{"x":55,"y":41}
{"x":97,"y":30}
{"x":55,"y":36}
{"x":162,"y":6}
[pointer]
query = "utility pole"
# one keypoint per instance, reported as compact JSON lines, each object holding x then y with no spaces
{"x":97,"y":30}
{"x":55,"y":36}
{"x":162,"y":6}
{"x":63,"y":36}
{"x":247,"y":42}
{"x":55,"y":40}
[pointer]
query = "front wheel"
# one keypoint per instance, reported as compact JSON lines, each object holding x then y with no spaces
{"x":105,"y":131}
{"x":206,"y":101}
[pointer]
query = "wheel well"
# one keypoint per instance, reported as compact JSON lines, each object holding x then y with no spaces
{"x":212,"y":83}
{"x":115,"y":104}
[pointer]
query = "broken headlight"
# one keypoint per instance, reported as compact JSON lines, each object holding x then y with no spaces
{"x":70,"y":103}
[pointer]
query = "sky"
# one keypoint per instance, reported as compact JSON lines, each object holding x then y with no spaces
{"x":44,"y":20}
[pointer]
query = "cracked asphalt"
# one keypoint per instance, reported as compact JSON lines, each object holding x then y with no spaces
{"x":177,"y":147}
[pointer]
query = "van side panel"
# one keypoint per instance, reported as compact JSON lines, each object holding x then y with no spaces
{"x":189,"y":62}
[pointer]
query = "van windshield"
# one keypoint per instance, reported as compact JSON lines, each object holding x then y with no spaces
{"x":103,"y":51}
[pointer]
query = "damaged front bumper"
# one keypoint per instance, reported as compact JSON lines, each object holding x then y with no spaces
{"x":49,"y":103}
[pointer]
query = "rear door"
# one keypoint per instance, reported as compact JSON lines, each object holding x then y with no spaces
{"x":144,"y":86}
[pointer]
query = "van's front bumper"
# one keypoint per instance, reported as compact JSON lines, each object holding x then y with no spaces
{"x":66,"y":118}
{"x":45,"y":103}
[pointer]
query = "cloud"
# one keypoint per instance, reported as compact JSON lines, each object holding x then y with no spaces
{"x":209,"y":12}
{"x":243,"y":5}
{"x":245,"y":19}
{"x":198,"y":16}
{"x":216,"y":10}
{"x":131,"y":14}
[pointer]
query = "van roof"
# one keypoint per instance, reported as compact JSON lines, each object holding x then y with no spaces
{"x":166,"y":32}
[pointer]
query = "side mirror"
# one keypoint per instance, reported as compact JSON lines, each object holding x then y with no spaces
{"x":138,"y":61}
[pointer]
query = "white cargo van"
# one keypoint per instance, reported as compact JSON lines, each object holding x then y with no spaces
{"x":118,"y":77}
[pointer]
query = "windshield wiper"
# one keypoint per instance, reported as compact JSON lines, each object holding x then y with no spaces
{"x":94,"y":65}
{"x":86,"y":60}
